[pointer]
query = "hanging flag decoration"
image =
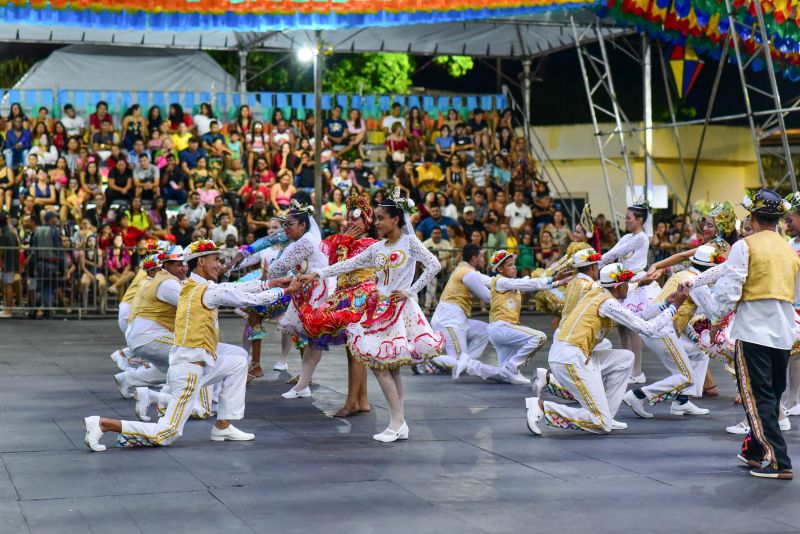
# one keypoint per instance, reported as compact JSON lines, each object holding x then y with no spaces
{"x":685,"y":66}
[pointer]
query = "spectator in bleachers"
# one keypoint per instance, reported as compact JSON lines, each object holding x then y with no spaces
{"x":154,"y":120}
{"x":447,"y":207}
{"x":194,"y":210}
{"x":256,"y":143}
{"x":104,"y":140}
{"x":463,"y":144}
{"x":335,"y":128}
{"x":504,"y":142}
{"x":442,"y":249}
{"x":45,"y":196}
{"x":199,"y":174}
{"x":146,"y":179}
{"x":100,"y":116}
{"x":134,"y":127}
{"x":444,"y":146}
{"x":470,"y":224}
{"x":526,"y":261}
{"x":7,"y":184}
{"x":356,"y":133}
{"x":176,"y":117}
{"x":481,"y":207}
{"x":174,"y":183}
{"x":135,"y":152}
{"x":73,"y":123}
{"x":496,"y":239}
{"x":543,"y":207}
{"x":9,"y":252}
{"x":416,"y":134}
{"x":429,"y":176}
{"x":182,"y":230}
{"x":203,"y":120}
{"x":17,"y":143}
{"x":191,"y":154}
{"x":456,"y":181}
{"x":394,"y":117}
{"x":71,"y":200}
{"x":562,"y":237}
{"x":518,"y":213}
{"x":180,"y":137}
{"x":259,"y":215}
{"x":46,"y":153}
{"x":221,"y":232}
{"x":120,"y":183}
{"x":60,"y":137}
{"x":479,"y":174}
{"x":435,"y":220}
{"x":547,"y":252}
{"x":396,"y":147}
{"x":335,"y":212}
{"x":281,"y":194}
{"x":359,"y":174}
{"x":478,"y":128}
{"x":209,"y":192}
{"x":118,"y":266}
{"x":157,"y":217}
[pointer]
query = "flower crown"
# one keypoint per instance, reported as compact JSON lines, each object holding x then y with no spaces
{"x":724,"y":217}
{"x":151,"y":262}
{"x":597,"y":256}
{"x":499,"y":257}
{"x":406,"y":204}
{"x":642,"y":204}
{"x":621,"y":275}
{"x":793,"y":199}
{"x":753,"y":202}
{"x":202,"y":245}
{"x":359,"y":206}
{"x":301,"y":208}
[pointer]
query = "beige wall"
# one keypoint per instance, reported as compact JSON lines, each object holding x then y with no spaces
{"x":727,"y":164}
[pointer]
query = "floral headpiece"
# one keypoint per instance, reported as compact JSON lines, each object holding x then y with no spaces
{"x":360,"y":207}
{"x":765,"y":202}
{"x":615,"y":274}
{"x":406,"y":204}
{"x":151,"y":262}
{"x":499,"y":257}
{"x":586,"y":257}
{"x":724,"y":217}
{"x":794,"y":200}
{"x":201,"y":247}
{"x":299,"y":207}
{"x":642,"y":204}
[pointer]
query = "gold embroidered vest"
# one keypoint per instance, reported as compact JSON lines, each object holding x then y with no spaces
{"x":195,"y":324}
{"x":573,"y":294}
{"x":688,"y":308}
{"x":584,"y":327}
{"x":772,"y":268}
{"x":455,"y":292}
{"x":505,"y":305}
{"x":130,"y":294}
{"x":149,"y":307}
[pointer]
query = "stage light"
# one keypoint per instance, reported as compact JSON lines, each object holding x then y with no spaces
{"x":305,"y":54}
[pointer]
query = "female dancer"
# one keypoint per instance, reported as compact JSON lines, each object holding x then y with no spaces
{"x":631,"y":252}
{"x":394,"y":331}
{"x":348,"y":303}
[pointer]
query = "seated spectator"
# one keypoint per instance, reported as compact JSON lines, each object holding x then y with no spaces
{"x":154,"y":120}
{"x":174,"y":183}
{"x":59,"y":174}
{"x":103,"y":140}
{"x":46,"y":153}
{"x":194,"y":210}
{"x":335,"y":128}
{"x":258,"y":216}
{"x":118,"y":266}
{"x":470,"y":224}
{"x":543,"y":207}
{"x":394,"y":117}
{"x":498,"y":205}
{"x":71,"y":154}
{"x":396,"y":148}
{"x":462,"y":143}
{"x":176,"y":117}
{"x":73,"y":123}
{"x":441,"y":248}
{"x":496,"y":239}
{"x":605,"y":230}
{"x":97,"y":213}
{"x":100,"y":116}
{"x":335,"y":212}
{"x":231,"y":181}
{"x":447,"y":207}
{"x":199,"y":175}
{"x":146,"y":179}
{"x":547,"y":252}
{"x":60,"y":137}
{"x":356,"y":134}
{"x":406,"y":179}
{"x":216,"y":211}
{"x":504,"y":141}
{"x":134,"y":153}
{"x":359,"y":174}
{"x":263,"y":172}
{"x":526,"y":260}
{"x":131,"y":235}
{"x":479,"y":129}
{"x":455,"y":181}
{"x":342,"y":180}
{"x":435,"y":220}
{"x":45,"y":197}
{"x":157,"y":217}
{"x":133,"y":126}
{"x":660,"y":243}
{"x":280,"y":135}
{"x":182,"y":230}
{"x":256,"y":143}
{"x":479,"y":174}
{"x":285,"y":159}
{"x":181,"y":137}
{"x":247,"y":193}
{"x":91,"y":264}
{"x":458,"y":241}
{"x":17,"y":143}
{"x":202,"y":121}
{"x":562,"y":237}
{"x":477,"y":239}
{"x":71,"y":200}
{"x":416,"y":133}
{"x":429,"y":177}
{"x":517,"y":213}
{"x":280,"y":196}
{"x":120,"y":183}
{"x":7,"y":184}
{"x":221,"y":232}
{"x":190,"y":156}
{"x":304,"y":174}
{"x":444,"y":147}
{"x":501,"y":174}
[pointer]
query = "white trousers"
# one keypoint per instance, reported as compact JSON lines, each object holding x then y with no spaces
{"x":122,"y":316}
{"x":156,"y":352}
{"x":514,"y":344}
{"x":465,"y":335}
{"x":186,"y":381}
{"x":598,"y":386}
{"x":431,"y":296}
{"x":687,"y":366}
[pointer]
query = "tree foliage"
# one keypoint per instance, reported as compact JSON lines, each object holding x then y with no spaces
{"x":456,"y":66}
{"x":11,"y":70}
{"x":368,"y":73}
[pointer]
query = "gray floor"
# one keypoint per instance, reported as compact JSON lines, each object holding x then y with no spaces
{"x":469,"y":466}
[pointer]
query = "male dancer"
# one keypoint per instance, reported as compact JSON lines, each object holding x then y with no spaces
{"x":676,"y":351}
{"x":761,"y":281}
{"x":597,"y":378}
{"x":464,"y":337}
{"x":198,"y":358}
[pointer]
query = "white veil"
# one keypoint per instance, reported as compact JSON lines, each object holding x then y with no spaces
{"x":313,"y":230}
{"x":407,"y":228}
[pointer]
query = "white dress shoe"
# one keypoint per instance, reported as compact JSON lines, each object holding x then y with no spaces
{"x":142,"y":396}
{"x":120,"y":360}
{"x":388,"y":436}
{"x":636,"y":404}
{"x":294,"y":394}
{"x":739,"y":428}
{"x":618,"y":425}
{"x":280,"y":366}
{"x":794,"y":410}
{"x":686,"y":409}
{"x":785,"y":424}
{"x":638,"y":379}
{"x":93,"y":433}
{"x":514,"y":378}
{"x":534,"y":415}
{"x":230,"y":434}
{"x":125,"y":391}
{"x":539,"y":381}
{"x":460,"y":366}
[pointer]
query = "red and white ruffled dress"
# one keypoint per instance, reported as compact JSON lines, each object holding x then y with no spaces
{"x":392,"y":333}
{"x":300,"y":257}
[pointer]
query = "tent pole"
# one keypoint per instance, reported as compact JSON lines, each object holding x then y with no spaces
{"x":648,"y":117}
{"x":242,"y":71}
{"x":526,"y":89}
{"x":318,"y":125}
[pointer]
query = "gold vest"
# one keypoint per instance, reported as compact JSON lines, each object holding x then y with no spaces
{"x":195,"y":324}
{"x":688,"y":308}
{"x":455,"y":292}
{"x":149,"y":307}
{"x":136,"y":305}
{"x":130,"y":294}
{"x":505,"y":305}
{"x":772,"y":268}
{"x":573,"y":294}
{"x":584,"y":327}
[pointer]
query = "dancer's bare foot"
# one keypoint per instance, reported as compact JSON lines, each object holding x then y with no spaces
{"x":365,"y":408}
{"x":348,"y":410}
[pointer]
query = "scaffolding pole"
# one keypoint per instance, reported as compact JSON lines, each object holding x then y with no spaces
{"x":673,"y":119}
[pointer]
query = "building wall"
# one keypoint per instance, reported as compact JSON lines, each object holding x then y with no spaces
{"x":727,"y":165}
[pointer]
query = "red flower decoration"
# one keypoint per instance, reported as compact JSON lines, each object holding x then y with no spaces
{"x":719,"y":259}
{"x":206,"y":247}
{"x":162,"y":256}
{"x":393,"y":256}
{"x":625,"y":276}
{"x":149,"y":264}
{"x":595,"y":257}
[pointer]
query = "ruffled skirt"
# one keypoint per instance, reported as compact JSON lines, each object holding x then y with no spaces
{"x":327,"y":324}
{"x":394,"y":334}
{"x":313,"y":294}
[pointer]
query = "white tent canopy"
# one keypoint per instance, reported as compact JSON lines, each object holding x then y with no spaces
{"x":117,"y":68}
{"x":516,"y":37}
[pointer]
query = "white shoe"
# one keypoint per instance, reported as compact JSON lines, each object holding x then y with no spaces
{"x":539,"y":381}
{"x":124,"y":389}
{"x":618,"y":425}
{"x":142,"y":396}
{"x":739,"y":428}
{"x":638,"y":379}
{"x":294,"y":394}
{"x":230,"y":434}
{"x":535,"y":414}
{"x":93,"y":433}
{"x":460,"y":366}
{"x":687,"y":409}
{"x":280,"y":366}
{"x":794,"y":410}
{"x":120,"y":360}
{"x":785,"y":424}
{"x":636,"y":404}
{"x":514,"y":378}
{"x":388,"y":436}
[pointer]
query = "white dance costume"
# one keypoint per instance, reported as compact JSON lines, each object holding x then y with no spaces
{"x":393,"y":333}
{"x":631,"y":252}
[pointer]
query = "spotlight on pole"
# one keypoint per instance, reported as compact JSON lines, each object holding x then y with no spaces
{"x":305,"y":54}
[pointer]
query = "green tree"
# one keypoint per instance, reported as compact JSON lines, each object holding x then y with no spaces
{"x":368,"y":73}
{"x":11,"y":70}
{"x":456,"y":66}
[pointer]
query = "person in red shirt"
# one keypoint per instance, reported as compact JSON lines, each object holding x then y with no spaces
{"x":100,"y":116}
{"x":130,"y":234}
{"x":247,"y":192}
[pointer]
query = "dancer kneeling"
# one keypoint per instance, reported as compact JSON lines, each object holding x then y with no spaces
{"x":198,"y":358}
{"x":596,"y":378}
{"x":394,"y":331}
